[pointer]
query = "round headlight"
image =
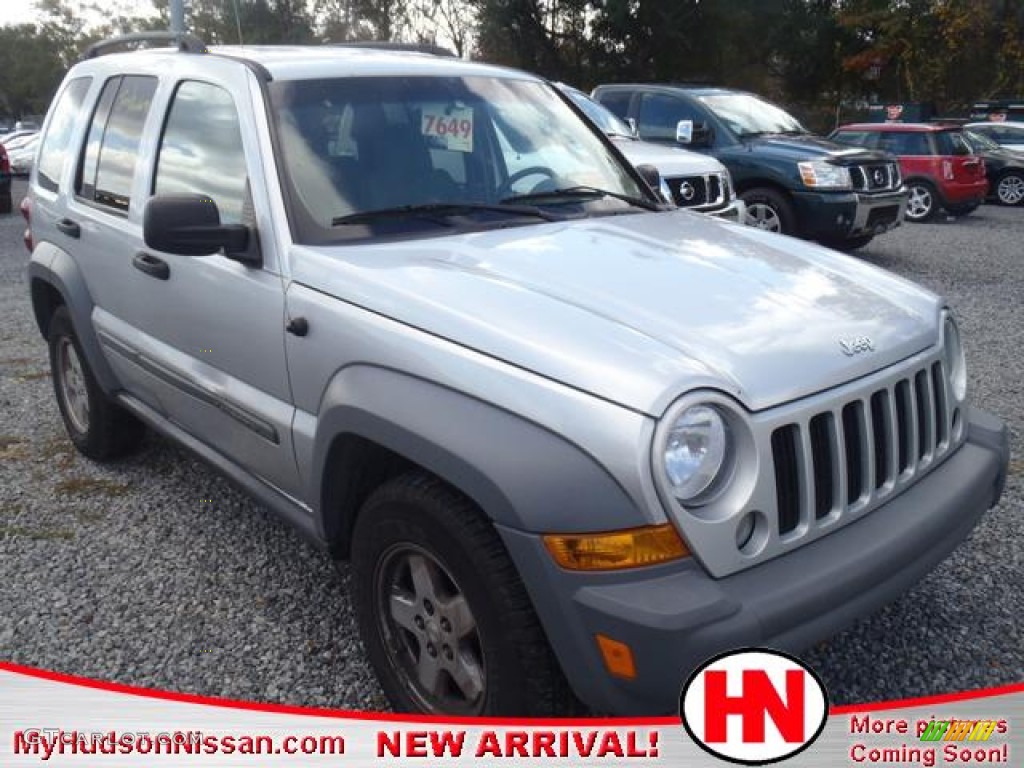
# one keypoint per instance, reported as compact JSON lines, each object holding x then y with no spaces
{"x":956,"y":364}
{"x":696,"y":449}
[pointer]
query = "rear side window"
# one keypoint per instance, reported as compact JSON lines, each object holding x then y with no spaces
{"x":111,"y":151}
{"x":906,"y":143}
{"x":952,"y":143}
{"x":201,"y":149}
{"x":617,"y":102}
{"x":66,"y":115}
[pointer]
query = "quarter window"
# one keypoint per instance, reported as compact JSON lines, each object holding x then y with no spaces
{"x":54,"y":152}
{"x":111,"y":151}
{"x":201,"y":150}
{"x":905,"y":143}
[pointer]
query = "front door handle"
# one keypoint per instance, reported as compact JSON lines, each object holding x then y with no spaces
{"x":69,"y":228}
{"x":151,"y":265}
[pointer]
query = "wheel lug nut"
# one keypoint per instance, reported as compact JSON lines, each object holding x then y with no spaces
{"x":419,"y":622}
{"x":428,"y":607}
{"x":446,"y":625}
{"x":431,"y":650}
{"x":448,"y":654}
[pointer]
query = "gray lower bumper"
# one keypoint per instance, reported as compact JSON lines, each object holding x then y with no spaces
{"x":674,"y":617}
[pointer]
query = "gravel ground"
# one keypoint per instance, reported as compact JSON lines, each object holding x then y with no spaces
{"x":129,"y":573}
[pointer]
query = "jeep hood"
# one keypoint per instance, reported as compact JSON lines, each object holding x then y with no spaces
{"x":669,"y":162}
{"x":810,"y":147}
{"x":639,"y":308}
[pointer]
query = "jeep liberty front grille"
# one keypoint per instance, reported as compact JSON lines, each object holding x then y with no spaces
{"x":857,"y":452}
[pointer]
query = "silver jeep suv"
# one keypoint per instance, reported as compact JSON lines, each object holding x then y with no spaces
{"x":572,"y":443}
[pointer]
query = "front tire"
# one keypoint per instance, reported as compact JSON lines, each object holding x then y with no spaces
{"x":769,"y":210}
{"x":1010,"y":188}
{"x":99,"y":428}
{"x":923,"y":202}
{"x":443,"y":615}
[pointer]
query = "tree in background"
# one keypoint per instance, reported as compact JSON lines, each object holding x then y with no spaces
{"x":818,"y":56}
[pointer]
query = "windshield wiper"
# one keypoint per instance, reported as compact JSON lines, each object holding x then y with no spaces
{"x":582,"y":190}
{"x":439,"y":212}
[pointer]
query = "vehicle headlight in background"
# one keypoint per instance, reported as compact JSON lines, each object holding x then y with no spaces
{"x":821,"y":175}
{"x":956,"y":362}
{"x":696,"y":449}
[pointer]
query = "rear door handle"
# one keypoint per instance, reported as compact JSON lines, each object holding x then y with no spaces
{"x":151,"y":265}
{"x":70,"y":228}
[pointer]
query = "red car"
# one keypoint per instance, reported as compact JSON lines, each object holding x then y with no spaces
{"x":940,"y":170}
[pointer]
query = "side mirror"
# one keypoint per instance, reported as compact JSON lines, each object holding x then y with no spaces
{"x":189,"y":225}
{"x":651,"y":175}
{"x":684,"y":131}
{"x":631,"y":121}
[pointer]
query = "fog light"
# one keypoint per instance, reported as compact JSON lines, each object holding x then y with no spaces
{"x":618,"y":658}
{"x":616,"y":550}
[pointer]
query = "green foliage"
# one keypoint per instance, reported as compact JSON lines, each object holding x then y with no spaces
{"x":818,"y":56}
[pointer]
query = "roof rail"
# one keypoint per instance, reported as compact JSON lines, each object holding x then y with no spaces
{"x":430,"y":48}
{"x":185,"y":42}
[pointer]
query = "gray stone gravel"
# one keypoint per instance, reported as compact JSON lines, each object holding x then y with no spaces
{"x":156,"y":572}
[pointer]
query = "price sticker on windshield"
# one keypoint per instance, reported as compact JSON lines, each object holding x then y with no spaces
{"x":452,"y":127}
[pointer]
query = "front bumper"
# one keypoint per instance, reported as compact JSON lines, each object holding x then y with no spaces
{"x":676,"y":616}
{"x":735,"y":211}
{"x":842,"y":215}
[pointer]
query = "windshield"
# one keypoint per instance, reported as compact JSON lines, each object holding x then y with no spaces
{"x":747,"y":115}
{"x":979,"y":141}
{"x":455,"y":146}
{"x":601,"y":116}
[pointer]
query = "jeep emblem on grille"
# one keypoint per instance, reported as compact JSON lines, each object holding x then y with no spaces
{"x":855,"y":345}
{"x":686,"y":191}
{"x":879,"y":176}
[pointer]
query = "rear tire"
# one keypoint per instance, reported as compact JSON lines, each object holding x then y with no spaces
{"x":923,"y":202}
{"x":770,"y":210}
{"x":442,"y":612}
{"x":99,"y":428}
{"x":6,"y":203}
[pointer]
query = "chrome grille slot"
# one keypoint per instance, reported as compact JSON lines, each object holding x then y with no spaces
{"x":787,"y":477}
{"x":825,"y":468}
{"x":842,"y":460}
{"x":880,"y":434}
{"x":939,"y":398}
{"x":855,"y":468}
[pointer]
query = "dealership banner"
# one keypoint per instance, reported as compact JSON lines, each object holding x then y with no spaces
{"x":48,"y":719}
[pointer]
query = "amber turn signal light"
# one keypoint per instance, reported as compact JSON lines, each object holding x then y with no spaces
{"x":616,"y":550}
{"x":618,"y":658}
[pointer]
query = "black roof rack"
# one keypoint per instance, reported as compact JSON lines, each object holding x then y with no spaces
{"x":430,"y":48}
{"x":185,"y":42}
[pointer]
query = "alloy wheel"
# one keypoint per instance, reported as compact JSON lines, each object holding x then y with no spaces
{"x":72,"y":384}
{"x":430,"y":632}
{"x":764,"y":217}
{"x":1010,"y":190}
{"x":920,"y":202}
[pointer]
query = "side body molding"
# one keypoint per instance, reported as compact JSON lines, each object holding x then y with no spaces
{"x":522,"y":475}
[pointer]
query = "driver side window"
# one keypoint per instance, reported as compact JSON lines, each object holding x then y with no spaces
{"x":659,"y":115}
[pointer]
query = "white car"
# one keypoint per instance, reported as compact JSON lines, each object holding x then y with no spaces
{"x":1008,"y":135}
{"x":23,"y":155}
{"x":689,"y":179}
